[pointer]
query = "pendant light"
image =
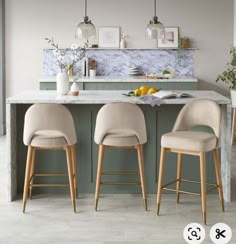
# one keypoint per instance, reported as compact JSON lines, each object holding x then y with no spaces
{"x":85,"y":30}
{"x":154,"y":26}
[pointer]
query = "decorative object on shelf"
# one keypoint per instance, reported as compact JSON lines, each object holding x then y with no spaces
{"x":85,"y":30}
{"x":65,"y":60}
{"x":170,"y":39}
{"x":123,"y":43}
{"x":74,"y":89}
{"x":92,"y":67}
{"x":134,"y":70}
{"x":168,"y":73}
{"x":109,"y":36}
{"x":184,"y":42}
{"x":154,"y":27}
{"x":229,"y":76}
{"x":70,"y":70}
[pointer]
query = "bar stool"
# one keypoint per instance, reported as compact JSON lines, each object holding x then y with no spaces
{"x":184,"y":141}
{"x":120,"y":125}
{"x":49,"y":126}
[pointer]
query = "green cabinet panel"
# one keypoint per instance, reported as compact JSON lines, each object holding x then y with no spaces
{"x":125,"y":85}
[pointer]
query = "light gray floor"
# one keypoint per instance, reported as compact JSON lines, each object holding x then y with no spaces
{"x":120,"y":219}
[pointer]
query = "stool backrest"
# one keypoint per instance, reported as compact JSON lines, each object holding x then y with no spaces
{"x":199,"y":112}
{"x":122,"y":116}
{"x":54,"y":117}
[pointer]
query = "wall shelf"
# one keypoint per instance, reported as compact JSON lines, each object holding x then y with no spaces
{"x":123,"y":49}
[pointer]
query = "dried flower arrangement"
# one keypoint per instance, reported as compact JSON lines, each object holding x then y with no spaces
{"x":66,"y":58}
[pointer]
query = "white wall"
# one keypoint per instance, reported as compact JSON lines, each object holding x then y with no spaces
{"x":208,"y":23}
{"x":234,"y":23}
{"x":2,"y":70}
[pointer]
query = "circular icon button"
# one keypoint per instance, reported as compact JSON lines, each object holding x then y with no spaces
{"x":194,"y":233}
{"x":220,"y":233}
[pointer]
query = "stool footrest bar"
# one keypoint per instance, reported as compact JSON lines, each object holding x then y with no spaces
{"x":213,"y":188}
{"x":190,"y":181}
{"x":120,"y":183}
{"x":120,"y":173}
{"x":48,"y":185}
{"x":43,"y":175}
{"x":180,"y":191}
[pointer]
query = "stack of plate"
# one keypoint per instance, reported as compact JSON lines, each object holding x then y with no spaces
{"x":133,"y":70}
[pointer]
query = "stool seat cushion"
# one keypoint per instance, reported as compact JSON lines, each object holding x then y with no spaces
{"x":48,"y":138}
{"x":120,"y":137}
{"x":189,"y":141}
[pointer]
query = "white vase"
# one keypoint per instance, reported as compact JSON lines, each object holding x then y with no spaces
{"x":233,"y":97}
{"x":122,"y":43}
{"x":92,"y":72}
{"x":62,"y":83}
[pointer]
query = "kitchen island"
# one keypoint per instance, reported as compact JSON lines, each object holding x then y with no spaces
{"x":84,"y":108}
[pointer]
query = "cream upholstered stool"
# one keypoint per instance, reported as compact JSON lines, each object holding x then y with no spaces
{"x":184,"y":141}
{"x":120,"y":125}
{"x":49,"y":126}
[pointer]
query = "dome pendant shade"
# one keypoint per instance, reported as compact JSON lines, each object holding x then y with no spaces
{"x":86,"y":29}
{"x":154,"y":27}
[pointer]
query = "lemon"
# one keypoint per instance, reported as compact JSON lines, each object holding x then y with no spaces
{"x":143,"y":89}
{"x":152,"y":90}
{"x":137,"y":92}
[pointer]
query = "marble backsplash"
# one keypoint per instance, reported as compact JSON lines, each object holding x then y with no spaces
{"x":115,"y":62}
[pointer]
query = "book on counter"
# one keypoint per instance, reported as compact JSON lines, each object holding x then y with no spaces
{"x":171,"y":94}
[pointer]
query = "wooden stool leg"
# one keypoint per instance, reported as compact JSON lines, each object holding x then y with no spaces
{"x":70,"y":174}
{"x":203,"y":184}
{"x":141,"y":172}
{"x":218,"y":177}
{"x":179,"y":175}
{"x":160,"y":178}
{"x":27,"y":176}
{"x":233,"y":125}
{"x":73,"y":154}
{"x":99,"y":173}
{"x":32,"y":173}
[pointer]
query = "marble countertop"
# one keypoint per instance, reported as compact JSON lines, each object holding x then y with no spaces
{"x":103,"y":97}
{"x":122,"y":79}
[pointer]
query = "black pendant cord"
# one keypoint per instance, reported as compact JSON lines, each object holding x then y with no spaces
{"x":155,"y":7}
{"x":85,"y":7}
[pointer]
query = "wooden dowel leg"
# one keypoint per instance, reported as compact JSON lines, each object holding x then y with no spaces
{"x":70,"y":174}
{"x":203,"y":184}
{"x":218,"y":177}
{"x":32,"y":172}
{"x":179,"y":175}
{"x":27,"y":176}
{"x":99,"y":173}
{"x":142,"y":175}
{"x":73,"y":153}
{"x":160,"y":178}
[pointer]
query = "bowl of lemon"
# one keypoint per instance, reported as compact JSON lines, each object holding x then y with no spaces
{"x":142,"y":91}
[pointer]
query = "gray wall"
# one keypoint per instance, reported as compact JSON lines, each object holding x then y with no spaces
{"x":208,"y":23}
{"x":2,"y":70}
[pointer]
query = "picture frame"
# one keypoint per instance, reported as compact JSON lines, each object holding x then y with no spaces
{"x":109,"y":36}
{"x":170,"y":39}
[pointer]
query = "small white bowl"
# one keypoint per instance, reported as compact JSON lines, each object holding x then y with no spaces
{"x":171,"y":75}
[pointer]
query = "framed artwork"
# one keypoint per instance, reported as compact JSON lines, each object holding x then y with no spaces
{"x":109,"y":36}
{"x":170,"y":39}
